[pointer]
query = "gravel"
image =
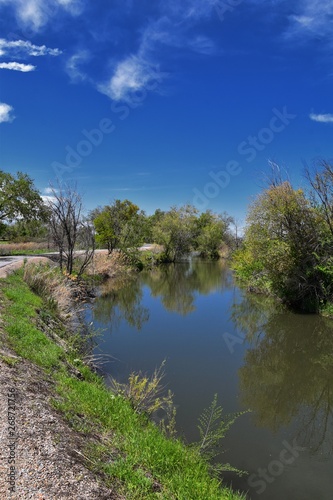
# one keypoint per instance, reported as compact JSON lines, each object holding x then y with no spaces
{"x":48,"y":462}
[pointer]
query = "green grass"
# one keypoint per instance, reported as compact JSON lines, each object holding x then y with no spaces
{"x":132,"y":451}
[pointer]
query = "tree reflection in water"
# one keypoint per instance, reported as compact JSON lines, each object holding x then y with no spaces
{"x":177,"y":284}
{"x":121,"y":299}
{"x":288,"y":373}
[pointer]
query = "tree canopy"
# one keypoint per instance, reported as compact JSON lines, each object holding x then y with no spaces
{"x":19,"y":199}
{"x":288,"y":242}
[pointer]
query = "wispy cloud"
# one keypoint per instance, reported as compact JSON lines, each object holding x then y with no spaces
{"x":131,"y":75}
{"x":311,"y":19}
{"x":74,"y":66}
{"x":24,"y":48}
{"x":170,"y":29}
{"x":36,"y":13}
{"x":144,"y":188}
{"x":6,"y":113}
{"x":189,"y":9}
{"x":15,"y":66}
{"x":322,"y":118}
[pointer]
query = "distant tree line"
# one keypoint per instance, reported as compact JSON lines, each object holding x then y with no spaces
{"x":120,"y":226}
{"x":286,"y":249}
{"x":180,"y":230}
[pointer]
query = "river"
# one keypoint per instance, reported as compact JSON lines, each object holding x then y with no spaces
{"x":217,"y":338}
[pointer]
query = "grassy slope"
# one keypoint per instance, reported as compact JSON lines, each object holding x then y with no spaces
{"x":132,"y":451}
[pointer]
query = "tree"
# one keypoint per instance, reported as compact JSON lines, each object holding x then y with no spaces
{"x":211,"y":232}
{"x":26,"y":230}
{"x":19,"y":199}
{"x":321,"y":182}
{"x":69,"y":228}
{"x":281,"y":246}
{"x":120,"y":226}
{"x":176,"y":231}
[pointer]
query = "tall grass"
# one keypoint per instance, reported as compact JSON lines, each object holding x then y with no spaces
{"x":48,"y":282}
{"x":109,"y":266}
{"x":25,"y":248}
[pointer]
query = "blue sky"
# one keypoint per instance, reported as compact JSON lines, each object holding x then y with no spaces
{"x":165,"y":102}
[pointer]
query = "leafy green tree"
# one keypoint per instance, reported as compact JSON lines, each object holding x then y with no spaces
{"x":27,"y":230}
{"x":280,"y":247}
{"x":211,"y":233}
{"x":176,"y":231}
{"x":19,"y":199}
{"x":120,"y":226}
{"x":151,"y":222}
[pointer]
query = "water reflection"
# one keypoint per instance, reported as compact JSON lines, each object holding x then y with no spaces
{"x":288,"y":372}
{"x":177,"y":284}
{"x":121,"y":300}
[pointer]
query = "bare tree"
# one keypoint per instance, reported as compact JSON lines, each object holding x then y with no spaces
{"x":69,"y":229}
{"x":321,"y":182}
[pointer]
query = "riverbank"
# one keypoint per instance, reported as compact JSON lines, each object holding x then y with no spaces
{"x":74,"y":438}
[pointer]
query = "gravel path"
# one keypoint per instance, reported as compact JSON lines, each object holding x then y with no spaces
{"x":48,"y":461}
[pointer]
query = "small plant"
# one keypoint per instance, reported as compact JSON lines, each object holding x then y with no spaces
{"x":146,"y":395}
{"x":213,"y":428}
{"x":9,"y":360}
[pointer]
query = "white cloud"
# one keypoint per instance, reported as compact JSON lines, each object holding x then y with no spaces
{"x":189,"y":9}
{"x":322,"y":118}
{"x":48,"y":200}
{"x":139,"y":71}
{"x":37,"y":13}
{"x":312,"y":19}
{"x":202,"y":45}
{"x":15,"y":66}
{"x":23,"y":48}
{"x":6,"y":113}
{"x":73,"y":64}
{"x":49,"y":190}
{"x":131,"y":75}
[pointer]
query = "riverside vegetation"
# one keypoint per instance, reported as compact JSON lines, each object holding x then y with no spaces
{"x":128,"y":451}
{"x":288,"y":242}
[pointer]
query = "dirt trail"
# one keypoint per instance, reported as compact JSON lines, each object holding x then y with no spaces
{"x":48,"y":462}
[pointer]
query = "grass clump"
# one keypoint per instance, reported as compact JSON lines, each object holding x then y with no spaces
{"x":127,"y":449}
{"x":57,"y":289}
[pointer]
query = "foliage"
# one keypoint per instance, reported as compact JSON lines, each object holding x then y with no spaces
{"x":146,"y":396}
{"x":284,"y":247}
{"x":211,"y":232}
{"x":19,"y":199}
{"x":182,"y":230}
{"x":27,"y":231}
{"x":176,"y":232}
{"x":120,"y":226}
{"x":213,"y":428}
